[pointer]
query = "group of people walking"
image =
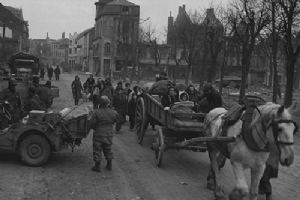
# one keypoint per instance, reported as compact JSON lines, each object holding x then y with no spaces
{"x":111,"y":106}
{"x":122,"y":99}
{"x":50,"y":72}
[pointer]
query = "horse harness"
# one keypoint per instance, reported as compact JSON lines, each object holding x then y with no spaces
{"x":258,"y":142}
{"x":276,"y":130}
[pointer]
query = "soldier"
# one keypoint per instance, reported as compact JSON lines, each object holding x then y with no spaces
{"x":101,"y":122}
{"x":45,"y":94}
{"x":76,"y":89}
{"x":13,"y":98}
{"x":33,"y":102}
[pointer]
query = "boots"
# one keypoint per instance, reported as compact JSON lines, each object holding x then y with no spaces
{"x":96,"y":167}
{"x":109,"y":165}
{"x":269,"y":197}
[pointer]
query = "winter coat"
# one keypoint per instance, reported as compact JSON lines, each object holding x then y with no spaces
{"x":50,"y":72}
{"x":102,"y":121}
{"x":57,"y":71}
{"x":76,"y":89}
{"x":120,"y":102}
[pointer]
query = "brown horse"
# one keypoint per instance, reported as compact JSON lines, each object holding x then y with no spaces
{"x":271,"y":124}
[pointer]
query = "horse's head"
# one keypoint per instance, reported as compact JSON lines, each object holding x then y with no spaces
{"x":280,"y":131}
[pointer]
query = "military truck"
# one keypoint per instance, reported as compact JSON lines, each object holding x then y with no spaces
{"x":23,"y":67}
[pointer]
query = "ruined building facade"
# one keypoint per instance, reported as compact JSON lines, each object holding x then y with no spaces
{"x":116,"y":36}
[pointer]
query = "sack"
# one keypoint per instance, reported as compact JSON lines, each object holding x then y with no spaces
{"x":76,"y":111}
{"x":183,"y":107}
{"x":160,"y":87}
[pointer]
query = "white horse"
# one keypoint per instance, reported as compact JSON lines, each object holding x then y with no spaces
{"x":273,"y":124}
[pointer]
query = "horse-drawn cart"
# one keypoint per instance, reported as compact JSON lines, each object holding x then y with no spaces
{"x":177,"y":130}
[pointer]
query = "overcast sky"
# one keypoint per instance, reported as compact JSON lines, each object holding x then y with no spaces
{"x":57,"y":16}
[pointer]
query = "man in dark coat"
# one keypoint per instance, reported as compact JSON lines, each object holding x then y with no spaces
{"x":50,"y":73}
{"x":57,"y":73}
{"x":210,"y":99}
{"x":76,"y":89}
{"x":101,"y":122}
{"x":120,"y":104}
{"x":13,"y":98}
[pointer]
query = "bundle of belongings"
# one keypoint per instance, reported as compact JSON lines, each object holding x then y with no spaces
{"x":76,"y":111}
{"x":161,"y":87}
{"x":76,"y":119}
{"x":185,"y":117}
{"x":183,"y":107}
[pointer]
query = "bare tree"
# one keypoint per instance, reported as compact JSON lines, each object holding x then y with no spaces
{"x":151,"y":37}
{"x":175,"y":55}
{"x":290,"y":10}
{"x":248,"y":18}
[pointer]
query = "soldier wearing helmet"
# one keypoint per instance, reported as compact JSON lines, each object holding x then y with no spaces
{"x":13,"y":98}
{"x":101,"y":122}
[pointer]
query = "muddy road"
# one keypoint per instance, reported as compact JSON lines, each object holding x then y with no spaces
{"x":134,"y":176}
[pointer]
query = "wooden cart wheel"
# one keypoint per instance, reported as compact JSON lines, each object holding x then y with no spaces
{"x":140,"y":119}
{"x":159,"y":151}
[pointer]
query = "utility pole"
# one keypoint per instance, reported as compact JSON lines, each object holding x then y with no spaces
{"x":3,"y":43}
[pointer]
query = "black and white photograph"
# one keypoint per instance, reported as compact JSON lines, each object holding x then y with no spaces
{"x":149,"y":99}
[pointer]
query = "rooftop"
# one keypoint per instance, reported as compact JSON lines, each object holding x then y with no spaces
{"x":121,"y":2}
{"x":16,"y":11}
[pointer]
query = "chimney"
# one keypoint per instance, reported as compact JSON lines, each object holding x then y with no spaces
{"x":47,"y":36}
{"x":63,"y":36}
{"x":183,"y":7}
